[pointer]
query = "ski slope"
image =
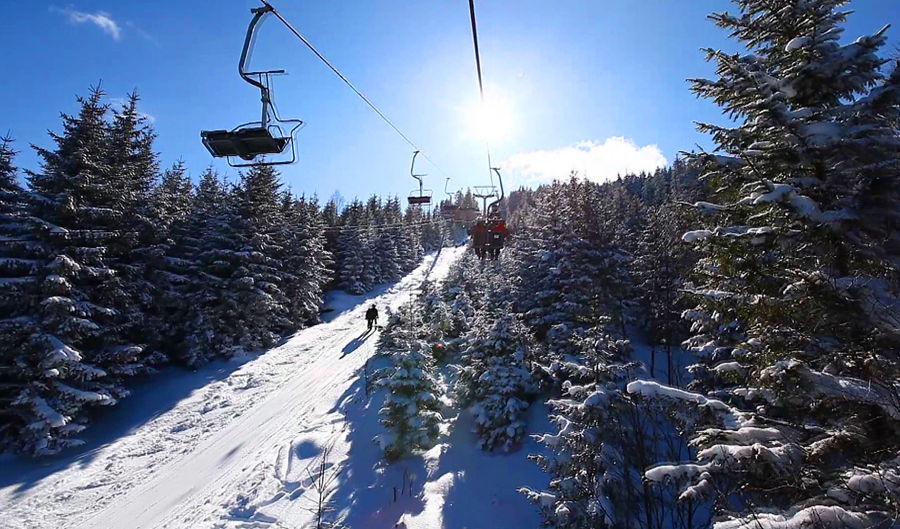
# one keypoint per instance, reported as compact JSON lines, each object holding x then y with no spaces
{"x":227,"y":452}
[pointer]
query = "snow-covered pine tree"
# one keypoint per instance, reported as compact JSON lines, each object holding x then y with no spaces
{"x":573,"y":278}
{"x":377,"y":267}
{"x":411,"y":410}
{"x":797,"y":285}
{"x":330,"y":217}
{"x":660,"y":262}
{"x":496,"y":383}
{"x":208,"y":253}
{"x":386,"y":250}
{"x":18,"y":252}
{"x":389,"y":243}
{"x":353,"y":260}
{"x":172,"y":203}
{"x":587,"y":485}
{"x":432,"y":233}
{"x":462,"y":312}
{"x":75,"y":356}
{"x":133,"y":171}
{"x":20,"y":260}
{"x":306,"y":261}
{"x":256,"y":282}
{"x":410,"y":239}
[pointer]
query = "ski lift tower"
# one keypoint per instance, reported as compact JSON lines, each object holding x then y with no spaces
{"x":484,"y":193}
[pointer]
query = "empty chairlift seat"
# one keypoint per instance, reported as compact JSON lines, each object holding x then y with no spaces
{"x":417,"y":199}
{"x":246,"y":144}
{"x":271,"y":135}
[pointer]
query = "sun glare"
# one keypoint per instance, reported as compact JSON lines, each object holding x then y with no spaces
{"x":491,"y":121}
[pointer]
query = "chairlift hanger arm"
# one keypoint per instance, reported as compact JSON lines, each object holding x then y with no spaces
{"x":258,"y":14}
{"x":500,"y":178}
{"x":412,"y":167}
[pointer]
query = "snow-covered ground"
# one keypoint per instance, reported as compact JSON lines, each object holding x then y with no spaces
{"x":235,"y":444}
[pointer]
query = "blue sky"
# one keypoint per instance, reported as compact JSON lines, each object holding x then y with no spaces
{"x":598,"y":85}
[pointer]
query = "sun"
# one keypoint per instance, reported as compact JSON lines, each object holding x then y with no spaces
{"x":491,"y":121}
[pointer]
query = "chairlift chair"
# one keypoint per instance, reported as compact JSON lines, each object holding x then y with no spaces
{"x":449,"y":211}
{"x":422,"y":196}
{"x":418,"y":198}
{"x":448,"y":208}
{"x":253,"y":141}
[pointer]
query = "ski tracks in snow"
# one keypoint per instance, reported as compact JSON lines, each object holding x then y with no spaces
{"x":230,"y":448}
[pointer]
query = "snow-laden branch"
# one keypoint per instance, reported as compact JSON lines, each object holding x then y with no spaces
{"x":836,"y":387}
{"x":731,"y":417}
{"x":819,"y":516}
{"x":757,"y":234}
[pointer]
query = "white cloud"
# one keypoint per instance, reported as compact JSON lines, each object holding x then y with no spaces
{"x":100,"y":19}
{"x":593,"y":160}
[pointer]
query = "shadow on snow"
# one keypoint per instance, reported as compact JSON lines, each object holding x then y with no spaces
{"x":477,"y":487}
{"x":150,"y":398}
{"x":355,"y":343}
{"x":365,"y":493}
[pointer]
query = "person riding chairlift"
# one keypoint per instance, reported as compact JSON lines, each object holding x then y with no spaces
{"x":480,"y":238}
{"x":498,"y":234}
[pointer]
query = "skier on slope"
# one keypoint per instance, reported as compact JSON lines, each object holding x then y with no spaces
{"x":371,"y":317}
{"x":479,"y":238}
{"x":498,"y":234}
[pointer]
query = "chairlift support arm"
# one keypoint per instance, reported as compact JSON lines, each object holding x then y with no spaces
{"x":412,"y":173}
{"x":500,"y":178}
{"x":258,"y":14}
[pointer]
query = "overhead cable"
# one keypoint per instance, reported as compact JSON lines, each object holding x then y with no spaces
{"x":348,"y":83}
{"x":480,"y":82}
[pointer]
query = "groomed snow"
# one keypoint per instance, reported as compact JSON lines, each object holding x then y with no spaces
{"x":233,"y":452}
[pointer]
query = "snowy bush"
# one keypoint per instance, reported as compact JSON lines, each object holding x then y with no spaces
{"x":496,"y":384}
{"x":411,"y":410}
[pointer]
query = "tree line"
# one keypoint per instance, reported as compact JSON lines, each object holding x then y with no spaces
{"x":111,"y":268}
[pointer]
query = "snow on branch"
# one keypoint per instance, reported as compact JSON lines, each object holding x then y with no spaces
{"x":59,"y":352}
{"x":837,"y":387}
{"x":85,"y":396}
{"x":757,"y":234}
{"x":50,"y":417}
{"x":820,"y":516}
{"x":731,"y":417}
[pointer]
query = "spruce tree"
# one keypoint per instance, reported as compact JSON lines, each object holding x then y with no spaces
{"x":587,"y":479}
{"x":496,"y":383}
{"x":20,"y":259}
{"x":133,"y":171}
{"x":172,"y":268}
{"x":257,"y":304}
{"x":208,"y":254}
{"x":797,"y":285}
{"x":411,"y":410}
{"x":75,"y":352}
{"x":659,"y":264}
{"x":313,"y":268}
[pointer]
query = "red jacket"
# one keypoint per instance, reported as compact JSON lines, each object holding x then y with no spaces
{"x":479,"y":235}
{"x":499,"y":233}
